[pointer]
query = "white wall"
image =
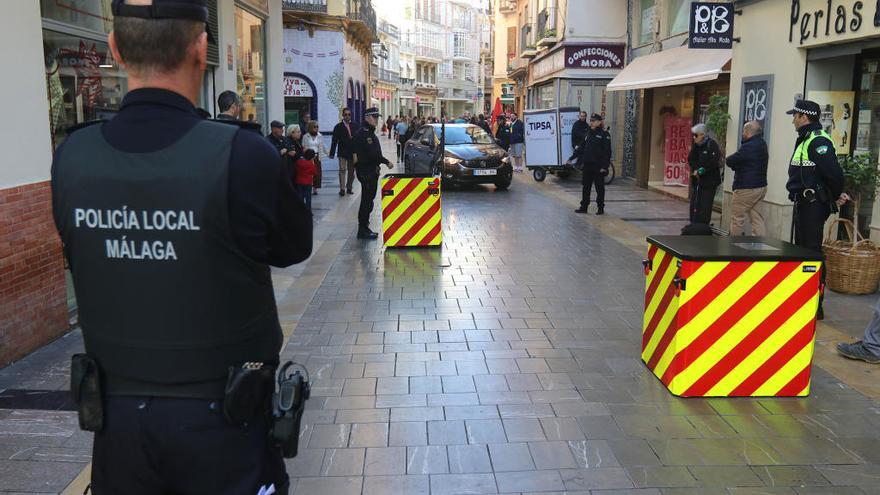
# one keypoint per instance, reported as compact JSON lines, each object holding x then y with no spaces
{"x":224,"y":78}
{"x":274,"y":62}
{"x":25,"y":141}
{"x":595,"y":20}
{"x":322,"y":67}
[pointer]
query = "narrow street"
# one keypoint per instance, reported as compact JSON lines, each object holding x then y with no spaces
{"x":505,"y":362}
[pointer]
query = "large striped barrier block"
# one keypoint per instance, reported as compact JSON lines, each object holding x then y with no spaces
{"x":734,"y":327}
{"x":411,"y":211}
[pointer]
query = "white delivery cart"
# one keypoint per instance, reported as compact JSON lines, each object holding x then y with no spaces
{"x":548,"y":140}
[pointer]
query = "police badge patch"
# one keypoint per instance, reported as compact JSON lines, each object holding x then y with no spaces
{"x":369,"y":140}
{"x":822,"y":150}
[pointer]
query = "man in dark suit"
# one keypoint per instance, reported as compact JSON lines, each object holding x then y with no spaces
{"x":341,"y":145}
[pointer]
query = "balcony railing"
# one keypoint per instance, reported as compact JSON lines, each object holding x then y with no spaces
{"x":362,"y":10}
{"x":507,"y":6}
{"x":386,"y":75}
{"x":428,"y":52}
{"x":527,"y":45}
{"x":305,"y":5}
{"x":546,"y":27}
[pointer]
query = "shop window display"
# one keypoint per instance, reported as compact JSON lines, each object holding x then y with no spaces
{"x":84,"y":82}
{"x":250,"y":66}
{"x":93,"y":15}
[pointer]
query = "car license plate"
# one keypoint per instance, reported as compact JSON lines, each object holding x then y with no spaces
{"x":490,"y":171}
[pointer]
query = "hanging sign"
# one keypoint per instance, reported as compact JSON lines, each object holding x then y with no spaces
{"x":297,"y":86}
{"x":711,"y":25}
{"x":677,"y":145}
{"x":594,"y":56}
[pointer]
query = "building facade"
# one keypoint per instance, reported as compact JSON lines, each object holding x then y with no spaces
{"x":326,"y":57}
{"x":667,"y":88}
{"x":66,"y":76}
{"x":505,"y":53}
{"x":385,"y":69}
{"x":829,"y":54}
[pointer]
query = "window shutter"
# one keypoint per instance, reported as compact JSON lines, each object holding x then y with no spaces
{"x":213,"y":47}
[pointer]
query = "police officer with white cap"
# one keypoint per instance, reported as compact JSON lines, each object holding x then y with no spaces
{"x":815,"y":179}
{"x":368,"y":157}
{"x":169,"y":223}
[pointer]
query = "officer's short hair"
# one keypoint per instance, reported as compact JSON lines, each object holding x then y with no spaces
{"x":160,"y":45}
{"x":227,"y":99}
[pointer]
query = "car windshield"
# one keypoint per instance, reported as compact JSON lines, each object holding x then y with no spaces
{"x":467,"y":135}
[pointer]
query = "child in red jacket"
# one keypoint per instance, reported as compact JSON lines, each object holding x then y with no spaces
{"x":305,"y":173}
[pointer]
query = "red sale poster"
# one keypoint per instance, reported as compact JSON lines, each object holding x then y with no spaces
{"x":677,"y":146}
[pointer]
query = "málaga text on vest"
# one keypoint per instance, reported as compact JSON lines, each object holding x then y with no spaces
{"x":136,"y":220}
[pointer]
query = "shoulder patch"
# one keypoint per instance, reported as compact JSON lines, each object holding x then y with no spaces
{"x":822,"y":150}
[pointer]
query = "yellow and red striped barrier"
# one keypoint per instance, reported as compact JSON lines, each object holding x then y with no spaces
{"x":411,"y":211}
{"x":730,"y":328}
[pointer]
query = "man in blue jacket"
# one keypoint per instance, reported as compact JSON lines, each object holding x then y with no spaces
{"x":749,"y":166}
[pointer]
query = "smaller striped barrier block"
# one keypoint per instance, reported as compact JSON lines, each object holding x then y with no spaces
{"x":730,"y":317}
{"x":411,"y":211}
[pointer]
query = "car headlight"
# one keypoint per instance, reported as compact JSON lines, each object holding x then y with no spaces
{"x":506,"y":159}
{"x":451,"y":160}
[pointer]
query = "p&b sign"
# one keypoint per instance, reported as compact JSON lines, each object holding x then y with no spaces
{"x":711,"y":25}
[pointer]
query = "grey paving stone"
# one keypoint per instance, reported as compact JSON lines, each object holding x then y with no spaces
{"x":395,"y":485}
{"x":446,"y":433}
{"x":593,"y":454}
{"x":425,"y":385}
{"x":532,"y":481}
{"x":329,"y":436}
{"x":468,"y":459}
{"x":441,"y":368}
{"x":369,"y":435}
{"x":561,"y":429}
{"x":38,"y":476}
{"x":490,"y":383}
{"x":416,"y":414}
{"x":458,"y":384}
{"x":595,"y":479}
{"x":408,"y":434}
{"x":363,"y":416}
{"x":790,"y":476}
{"x":385,"y":461}
{"x":359,"y":386}
{"x":523,"y":430}
{"x":660,"y":476}
{"x":394,"y":385}
{"x":307,"y":462}
{"x":552,"y":455}
{"x":406,"y":400}
{"x":482,"y":431}
{"x":471,"y":412}
{"x":728,"y":476}
{"x":511,"y":457}
{"x":453,"y":484}
{"x":430,"y":459}
{"x":348,"y":485}
{"x":343,"y":462}
{"x":525,"y":411}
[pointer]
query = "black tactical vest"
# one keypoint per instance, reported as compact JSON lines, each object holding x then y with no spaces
{"x":167,"y":302}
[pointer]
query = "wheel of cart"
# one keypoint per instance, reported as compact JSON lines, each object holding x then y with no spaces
{"x":539,"y":173}
{"x":611,"y":174}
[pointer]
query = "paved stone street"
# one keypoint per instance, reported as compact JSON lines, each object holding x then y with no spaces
{"x":505,"y":362}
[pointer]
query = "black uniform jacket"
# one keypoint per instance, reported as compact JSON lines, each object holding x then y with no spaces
{"x":595,"y":151}
{"x":366,"y":146}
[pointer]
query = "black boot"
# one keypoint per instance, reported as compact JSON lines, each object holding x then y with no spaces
{"x":600,"y":211}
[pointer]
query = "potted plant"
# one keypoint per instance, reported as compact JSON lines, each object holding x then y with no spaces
{"x":717,"y":119}
{"x":853,"y":265}
{"x":550,"y":33}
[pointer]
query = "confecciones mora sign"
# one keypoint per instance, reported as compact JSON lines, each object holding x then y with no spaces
{"x":830,"y":18}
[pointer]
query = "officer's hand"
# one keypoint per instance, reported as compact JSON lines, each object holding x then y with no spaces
{"x":283,"y":151}
{"x":844,"y":197}
{"x":604,"y":171}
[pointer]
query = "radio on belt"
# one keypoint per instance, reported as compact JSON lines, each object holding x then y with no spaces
{"x":730,"y":316}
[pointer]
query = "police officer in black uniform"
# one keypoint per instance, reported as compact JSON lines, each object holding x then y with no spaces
{"x":596,"y":158}
{"x":368,"y":158}
{"x":169,"y":223}
{"x":815,"y":179}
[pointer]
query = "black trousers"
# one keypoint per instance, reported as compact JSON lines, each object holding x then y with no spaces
{"x":702,"y":199}
{"x":592,"y":176}
{"x":399,"y":150}
{"x":168,"y":446}
{"x":809,"y":221}
{"x":369,"y":184}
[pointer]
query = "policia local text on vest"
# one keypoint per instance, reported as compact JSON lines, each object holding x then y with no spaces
{"x":169,"y":223}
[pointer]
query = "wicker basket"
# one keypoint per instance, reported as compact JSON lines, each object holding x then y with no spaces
{"x":851,"y":267}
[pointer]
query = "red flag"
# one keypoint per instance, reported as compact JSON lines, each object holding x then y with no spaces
{"x":496,"y":111}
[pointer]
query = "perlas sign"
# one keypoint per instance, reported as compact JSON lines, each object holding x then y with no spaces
{"x":814,"y":22}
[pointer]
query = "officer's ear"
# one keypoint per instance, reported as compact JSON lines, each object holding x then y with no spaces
{"x":114,"y":49}
{"x":201,"y":51}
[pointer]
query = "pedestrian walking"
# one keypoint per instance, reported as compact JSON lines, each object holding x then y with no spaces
{"x":595,"y":155}
{"x":315,"y":141}
{"x":704,"y":161}
{"x":305,"y":171}
{"x":749,"y":165}
{"x":400,"y":133}
{"x":341,"y":145}
{"x":517,"y":142}
{"x":281,"y":142}
{"x":176,"y":290}
{"x":867,"y":349}
{"x":579,"y":130}
{"x":368,"y":158}
{"x":815,"y":181}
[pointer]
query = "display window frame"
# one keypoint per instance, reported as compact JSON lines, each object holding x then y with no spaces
{"x":263,"y":18}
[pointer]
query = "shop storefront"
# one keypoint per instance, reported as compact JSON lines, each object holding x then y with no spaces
{"x":250,"y":61}
{"x":299,"y":97}
{"x":675,"y":86}
{"x":826,"y":52}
